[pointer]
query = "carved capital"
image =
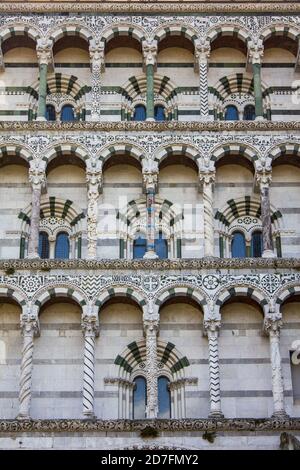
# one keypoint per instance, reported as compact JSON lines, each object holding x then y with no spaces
{"x":149,"y":51}
{"x":255,"y":51}
{"x":94,"y":178}
{"x":96,"y":49}
{"x":264,"y":178}
{"x":207,"y":177}
{"x":212,"y":327}
{"x":150,"y":174}
{"x":44,"y":51}
{"x":29,"y":324}
{"x":151,"y":327}
{"x":272,"y":325}
{"x":37,"y":174}
{"x":89,"y":325}
{"x":202,"y":51}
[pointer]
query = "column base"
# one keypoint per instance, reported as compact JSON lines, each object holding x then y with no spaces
{"x":95,"y":118}
{"x":32,"y":256}
{"x":260,"y":118}
{"x":150,"y":119}
{"x":89,"y":416}
{"x":150,"y":255}
{"x":23,"y":417}
{"x":268,"y":254}
{"x":216,"y":414}
{"x":280,"y":415}
{"x":41,"y":118}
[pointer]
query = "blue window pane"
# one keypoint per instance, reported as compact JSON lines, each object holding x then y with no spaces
{"x":139,"y":247}
{"x":161,"y":247}
{"x":62,"y":246}
{"x":50,"y":113}
{"x":139,"y":398}
{"x":238,"y":245}
{"x":256,"y":245}
{"x":67,"y":113}
{"x":164,"y":398}
{"x":43,"y":245}
{"x":159,"y":113}
{"x":139,"y":113}
{"x":249,"y":113}
{"x":231,"y":113}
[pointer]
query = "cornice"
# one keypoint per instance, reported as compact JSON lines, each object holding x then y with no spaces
{"x":148,"y":264}
{"x":176,"y":6}
{"x":188,"y":425}
{"x":140,"y":126}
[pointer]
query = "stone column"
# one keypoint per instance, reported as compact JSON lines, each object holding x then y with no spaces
{"x":151,"y":331}
{"x":202,"y":53}
{"x":150,"y":179}
{"x":150,"y":55}
{"x":2,"y":65}
{"x":272,"y":326}
{"x":264,"y":179}
{"x":45,"y":59}
{"x":206,"y":179}
{"x":30,"y":328}
{"x":96,"y":49}
{"x":94,"y":184}
{"x":90,"y":330}
{"x":211,"y":328}
{"x":255,"y":55}
{"x":37,"y":178}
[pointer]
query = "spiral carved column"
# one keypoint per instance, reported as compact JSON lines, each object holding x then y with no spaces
{"x":90,"y":331}
{"x":212,"y":329}
{"x":30,"y":328}
{"x":202,"y":53}
{"x":207,"y":180}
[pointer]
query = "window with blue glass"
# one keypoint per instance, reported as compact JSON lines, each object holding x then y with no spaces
{"x":164,"y":398}
{"x":161,"y":246}
{"x":139,"y":113}
{"x":139,"y":398}
{"x":67,"y":113}
{"x":159,"y":113}
{"x":256,"y":244}
{"x":62,"y":246}
{"x":238,"y":245}
{"x":249,"y":113}
{"x":43,"y":245}
{"x":50,"y":113}
{"x":231,"y":113}
{"x":139,"y":247}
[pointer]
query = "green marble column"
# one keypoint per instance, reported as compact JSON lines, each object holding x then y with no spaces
{"x":42,"y":91}
{"x":150,"y":91}
{"x":257,"y":90}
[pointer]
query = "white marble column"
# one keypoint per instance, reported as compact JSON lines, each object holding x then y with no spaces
{"x":151,"y":331}
{"x":30,"y":328}
{"x":211,"y":328}
{"x":96,"y":50}
{"x":37,"y":178}
{"x":264,"y":179}
{"x":45,"y":58}
{"x":202,"y":53}
{"x":272,"y":326}
{"x":150,"y":180}
{"x":207,"y":179}
{"x":94,"y":186}
{"x":90,"y":329}
{"x":2,"y":65}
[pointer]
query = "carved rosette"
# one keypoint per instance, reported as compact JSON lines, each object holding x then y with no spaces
{"x":151,"y":331}
{"x":30,"y":327}
{"x":94,"y":184}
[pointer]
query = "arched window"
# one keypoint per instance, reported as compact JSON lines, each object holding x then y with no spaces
{"x":161,"y":247}
{"x":43,"y":245}
{"x":159,"y":113}
{"x":231,"y":113}
{"x":50,"y":113}
{"x":256,"y":244}
{"x":62,"y":246}
{"x":249,"y":113}
{"x":238,"y":245}
{"x":164,"y":398}
{"x":139,"y":113}
{"x":139,"y":247}
{"x":139,"y":398}
{"x":67,"y":113}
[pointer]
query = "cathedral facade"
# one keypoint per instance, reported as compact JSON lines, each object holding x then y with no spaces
{"x":149,"y":225}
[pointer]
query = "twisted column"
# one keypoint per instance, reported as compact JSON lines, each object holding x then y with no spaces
{"x":37,"y":178}
{"x":202,"y":53}
{"x":94,"y":183}
{"x":90,"y":331}
{"x":264,"y":179}
{"x":150,"y":178}
{"x":96,"y":50}
{"x":150,"y":55}
{"x":151,"y":331}
{"x":272,"y":326}
{"x":255,"y":55}
{"x":211,"y":327}
{"x":207,"y":178}
{"x":45,"y":59}
{"x":30,"y":328}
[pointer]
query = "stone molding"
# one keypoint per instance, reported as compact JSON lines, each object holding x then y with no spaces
{"x":188,"y":425}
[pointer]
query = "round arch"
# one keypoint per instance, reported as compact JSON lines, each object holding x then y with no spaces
{"x":113,"y":291}
{"x":20,"y":29}
{"x":14,"y":293}
{"x":177,"y":149}
{"x":249,"y":291}
{"x":9,"y":150}
{"x":180,"y":290}
{"x":70,"y":29}
{"x":63,"y":148}
{"x":59,"y":292}
{"x":229,"y":29}
{"x":121,"y":148}
{"x":123,"y":29}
